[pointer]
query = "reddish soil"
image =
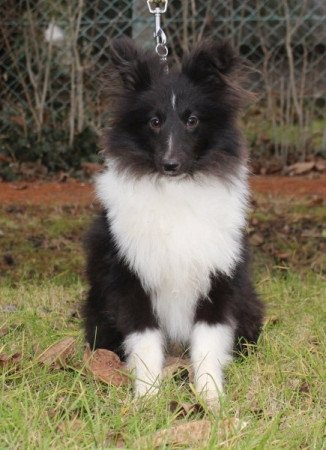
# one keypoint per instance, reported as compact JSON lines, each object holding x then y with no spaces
{"x":289,"y":186}
{"x":39,"y":192}
{"x":74,"y":192}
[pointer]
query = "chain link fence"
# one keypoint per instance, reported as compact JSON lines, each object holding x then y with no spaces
{"x":53,"y":54}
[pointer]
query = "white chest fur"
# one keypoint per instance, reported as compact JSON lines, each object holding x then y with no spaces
{"x":174,"y":234}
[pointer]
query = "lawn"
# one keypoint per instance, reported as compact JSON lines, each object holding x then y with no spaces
{"x":277,"y":393}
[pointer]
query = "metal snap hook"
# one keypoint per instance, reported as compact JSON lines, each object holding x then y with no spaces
{"x":160,"y":36}
{"x":162,"y":50}
{"x":155,"y":6}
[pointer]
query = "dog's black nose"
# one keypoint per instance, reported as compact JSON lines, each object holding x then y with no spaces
{"x":171,"y":166}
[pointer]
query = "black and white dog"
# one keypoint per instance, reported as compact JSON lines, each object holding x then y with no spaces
{"x":167,"y":259}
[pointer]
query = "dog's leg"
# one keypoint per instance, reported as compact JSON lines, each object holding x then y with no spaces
{"x":211,"y":347}
{"x":213,"y":338}
{"x":145,"y":356}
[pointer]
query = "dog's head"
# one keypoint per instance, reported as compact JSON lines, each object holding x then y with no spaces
{"x":179,"y":123}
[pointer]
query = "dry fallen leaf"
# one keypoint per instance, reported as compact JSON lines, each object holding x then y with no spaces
{"x":227,"y":426}
{"x":57,"y":354}
{"x":115,"y":439}
{"x":282,"y":255}
{"x":190,"y":433}
{"x":300,"y":168}
{"x":19,"y":120}
{"x":52,"y":412}
{"x":304,"y":387}
{"x":8,"y":329}
{"x":19,"y":187}
{"x":257,"y":239}
{"x":4,"y":330}
{"x":5,"y":158}
{"x":90,"y":168}
{"x":178,"y":366}
{"x":321,"y":165}
{"x":10,"y":361}
{"x":72,"y":424}
{"x":106,"y":366}
{"x":271,"y":320}
{"x":185,"y":409}
{"x":316,"y":200}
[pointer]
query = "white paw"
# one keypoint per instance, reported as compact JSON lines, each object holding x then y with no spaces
{"x":145,"y":360}
{"x":142,"y":388}
{"x":212,"y":398}
{"x":211,"y":347}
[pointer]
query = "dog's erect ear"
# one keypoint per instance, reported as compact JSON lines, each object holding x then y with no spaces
{"x":210,"y":62}
{"x":129,"y":65}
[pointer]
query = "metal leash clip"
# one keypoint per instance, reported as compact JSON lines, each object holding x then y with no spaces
{"x":159,"y":7}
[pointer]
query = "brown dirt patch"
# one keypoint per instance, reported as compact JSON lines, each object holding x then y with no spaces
{"x":78,"y":193}
{"x":47,"y":193}
{"x":289,"y":186}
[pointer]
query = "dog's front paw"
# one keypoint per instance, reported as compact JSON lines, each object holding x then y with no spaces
{"x":212,"y":398}
{"x":211,"y":349}
{"x":145,"y":360}
{"x":210,"y":387}
{"x":142,"y":388}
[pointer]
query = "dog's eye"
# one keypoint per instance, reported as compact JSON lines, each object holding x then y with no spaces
{"x":192,"y":122}
{"x":155,"y":123}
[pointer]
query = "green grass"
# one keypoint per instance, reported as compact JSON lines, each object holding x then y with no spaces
{"x":289,"y":135}
{"x":44,"y":242}
{"x":279,"y":390}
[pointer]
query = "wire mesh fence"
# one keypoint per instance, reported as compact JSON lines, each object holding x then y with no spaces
{"x":53,"y":54}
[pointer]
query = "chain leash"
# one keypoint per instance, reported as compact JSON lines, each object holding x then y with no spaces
{"x":158,"y":7}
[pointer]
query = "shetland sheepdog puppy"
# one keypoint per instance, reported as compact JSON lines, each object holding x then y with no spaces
{"x":168,"y":258}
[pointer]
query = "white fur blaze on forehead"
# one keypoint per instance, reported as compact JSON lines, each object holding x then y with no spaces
{"x":173,"y":100}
